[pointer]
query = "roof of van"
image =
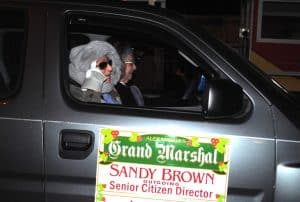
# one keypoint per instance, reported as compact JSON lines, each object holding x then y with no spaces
{"x":88,"y":2}
{"x":113,"y":3}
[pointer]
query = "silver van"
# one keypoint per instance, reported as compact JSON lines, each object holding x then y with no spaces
{"x":192,"y":85}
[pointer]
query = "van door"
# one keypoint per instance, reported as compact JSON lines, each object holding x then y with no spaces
{"x":72,"y":126}
{"x":21,"y":85}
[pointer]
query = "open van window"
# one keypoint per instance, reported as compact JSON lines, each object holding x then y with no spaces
{"x":166,"y":72}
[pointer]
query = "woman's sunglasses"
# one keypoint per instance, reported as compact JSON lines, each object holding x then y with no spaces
{"x":102,"y":65}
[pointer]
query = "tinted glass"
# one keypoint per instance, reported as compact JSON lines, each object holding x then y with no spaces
{"x":12,"y":37}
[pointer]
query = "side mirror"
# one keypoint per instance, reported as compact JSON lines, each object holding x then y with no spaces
{"x":222,"y":98}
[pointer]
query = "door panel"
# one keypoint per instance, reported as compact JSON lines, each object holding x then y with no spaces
{"x":251,"y":174}
{"x":21,"y":150}
{"x":288,"y":171}
{"x":69,"y":179}
{"x":288,"y":159}
{"x":74,"y":180}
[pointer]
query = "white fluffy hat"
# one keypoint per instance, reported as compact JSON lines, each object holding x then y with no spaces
{"x":82,"y":56}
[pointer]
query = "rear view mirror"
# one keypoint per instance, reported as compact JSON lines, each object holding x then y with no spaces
{"x":222,"y":98}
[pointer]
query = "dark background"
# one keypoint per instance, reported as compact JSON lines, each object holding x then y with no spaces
{"x":210,"y":7}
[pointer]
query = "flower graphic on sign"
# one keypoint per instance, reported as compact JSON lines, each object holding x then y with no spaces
{"x":109,"y":135}
{"x":220,"y":144}
{"x":103,"y":157}
{"x":135,"y":137}
{"x":222,"y":168}
{"x":193,"y":142}
{"x":220,"y":197}
{"x":100,"y":188}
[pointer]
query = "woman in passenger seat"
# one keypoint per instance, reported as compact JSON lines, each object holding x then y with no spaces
{"x":96,"y":67}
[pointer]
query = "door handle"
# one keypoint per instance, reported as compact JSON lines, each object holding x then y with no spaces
{"x":76,"y":144}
